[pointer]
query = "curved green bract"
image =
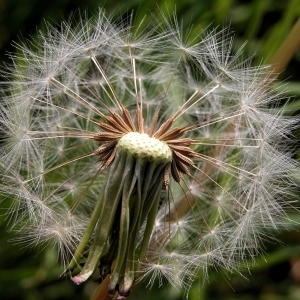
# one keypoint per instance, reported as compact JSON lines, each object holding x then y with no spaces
{"x":129,"y":200}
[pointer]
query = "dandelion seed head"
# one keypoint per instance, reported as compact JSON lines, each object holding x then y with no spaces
{"x":144,"y":152}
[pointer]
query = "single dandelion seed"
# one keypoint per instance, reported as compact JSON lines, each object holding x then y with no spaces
{"x":143,"y":153}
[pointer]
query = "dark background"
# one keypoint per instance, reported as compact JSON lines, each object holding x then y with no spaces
{"x":32,"y":274}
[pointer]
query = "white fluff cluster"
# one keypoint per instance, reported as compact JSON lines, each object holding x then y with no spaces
{"x":60,"y":86}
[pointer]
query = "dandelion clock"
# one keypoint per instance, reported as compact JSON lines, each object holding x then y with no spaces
{"x":141,"y":153}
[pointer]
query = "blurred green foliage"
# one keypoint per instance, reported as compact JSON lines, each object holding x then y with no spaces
{"x":32,"y":274}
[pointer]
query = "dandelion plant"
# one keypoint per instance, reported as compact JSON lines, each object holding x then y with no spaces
{"x":142,"y":152}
